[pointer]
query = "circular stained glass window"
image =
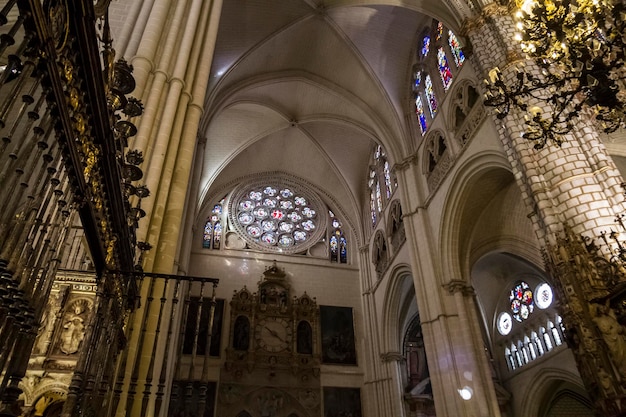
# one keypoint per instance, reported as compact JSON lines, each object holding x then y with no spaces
{"x":277,"y":216}
{"x":543,"y":296}
{"x":522,"y":301}
{"x":505,"y":323}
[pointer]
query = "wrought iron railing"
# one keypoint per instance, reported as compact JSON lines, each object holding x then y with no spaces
{"x":65,"y":125}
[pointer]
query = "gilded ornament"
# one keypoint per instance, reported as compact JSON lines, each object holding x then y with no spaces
{"x":110,"y":257}
{"x":73,"y":98}
{"x":79,"y":123}
{"x":58,"y":20}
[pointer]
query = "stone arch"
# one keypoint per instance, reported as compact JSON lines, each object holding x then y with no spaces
{"x":549,"y":383}
{"x":399,"y":306}
{"x":473,"y":183}
{"x":435,"y":151}
{"x":463,"y":98}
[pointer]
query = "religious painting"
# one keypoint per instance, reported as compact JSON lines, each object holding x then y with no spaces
{"x":342,"y":402}
{"x":338,"y":345}
{"x":185,"y":399}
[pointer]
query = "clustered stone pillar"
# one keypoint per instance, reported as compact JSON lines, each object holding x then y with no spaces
{"x":459,"y":369}
{"x":572,"y":190}
{"x":170,"y":45}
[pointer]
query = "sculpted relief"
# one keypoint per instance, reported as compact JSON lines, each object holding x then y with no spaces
{"x":73,"y":331}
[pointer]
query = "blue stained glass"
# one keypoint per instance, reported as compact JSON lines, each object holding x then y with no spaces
{"x":430,"y":95}
{"x":208,"y":235}
{"x":425,"y":46}
{"x":417,"y":80}
{"x":421,"y":117}
{"x":444,"y":68}
{"x":334,"y":245}
{"x":455,"y":47}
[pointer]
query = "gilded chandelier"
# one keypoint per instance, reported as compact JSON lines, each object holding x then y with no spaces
{"x":578,"y":49}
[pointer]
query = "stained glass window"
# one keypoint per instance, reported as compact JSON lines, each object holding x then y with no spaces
{"x":373,"y":207}
{"x":522,"y":301}
{"x":417,"y":80}
{"x":208,"y":235}
{"x":212,"y":235}
{"x":277,"y":217}
{"x":444,"y":68}
{"x":430,"y":95}
{"x":421,"y":116}
{"x":337,"y":242}
{"x":387,"y":175}
{"x":379,"y":198}
{"x":439,"y":30}
{"x":425,"y":46}
{"x":217,"y":235}
{"x":455,"y":47}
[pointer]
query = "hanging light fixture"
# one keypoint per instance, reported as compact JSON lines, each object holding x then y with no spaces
{"x":578,"y":48}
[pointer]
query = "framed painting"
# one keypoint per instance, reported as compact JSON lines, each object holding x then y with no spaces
{"x":338,"y":346}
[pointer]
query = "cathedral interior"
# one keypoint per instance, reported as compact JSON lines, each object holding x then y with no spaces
{"x":307,"y":208}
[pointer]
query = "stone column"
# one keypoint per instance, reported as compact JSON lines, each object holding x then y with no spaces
{"x":372,"y":400}
{"x":573,"y":190}
{"x":455,"y":356}
{"x":392,"y":363}
{"x":172,"y":85}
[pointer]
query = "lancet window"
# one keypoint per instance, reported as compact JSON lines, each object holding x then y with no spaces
{"x":438,"y":47}
{"x":529,"y":324}
{"x":212,"y":235}
{"x":381,"y":183}
{"x":338,"y":245}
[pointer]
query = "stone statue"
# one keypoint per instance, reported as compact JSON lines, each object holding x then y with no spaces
{"x":73,"y":331}
{"x":612,"y":334}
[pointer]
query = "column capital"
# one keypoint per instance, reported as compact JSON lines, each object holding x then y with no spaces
{"x":458,"y":285}
{"x":405,"y":163}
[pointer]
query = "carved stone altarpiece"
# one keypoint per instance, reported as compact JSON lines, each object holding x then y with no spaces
{"x":272,"y":363}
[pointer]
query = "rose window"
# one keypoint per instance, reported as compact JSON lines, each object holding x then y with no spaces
{"x":522,"y":301}
{"x":278,"y":217}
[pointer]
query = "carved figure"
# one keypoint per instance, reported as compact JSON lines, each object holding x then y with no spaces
{"x":613,"y":335}
{"x":74,"y":331}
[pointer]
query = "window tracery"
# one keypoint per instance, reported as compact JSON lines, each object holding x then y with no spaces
{"x":435,"y":149}
{"x":212,"y":234}
{"x":338,"y":245}
{"x":444,"y":44}
{"x":381,"y":183}
{"x":465,"y":98}
{"x":529,"y":325}
{"x":277,"y":216}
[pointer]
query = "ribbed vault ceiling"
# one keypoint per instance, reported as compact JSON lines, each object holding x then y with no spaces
{"x":306,"y":88}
